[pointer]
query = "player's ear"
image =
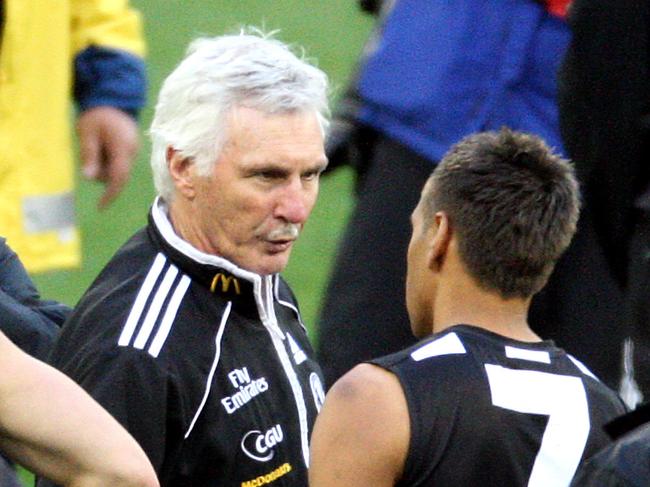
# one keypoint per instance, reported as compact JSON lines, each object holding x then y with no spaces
{"x":182,"y":172}
{"x":439,"y":238}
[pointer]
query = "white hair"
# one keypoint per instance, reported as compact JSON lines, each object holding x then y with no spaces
{"x":248,"y":69}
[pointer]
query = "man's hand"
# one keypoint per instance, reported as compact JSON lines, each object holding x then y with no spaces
{"x":108,"y":141}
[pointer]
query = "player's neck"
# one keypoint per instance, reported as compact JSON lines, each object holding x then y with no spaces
{"x":465,"y":303}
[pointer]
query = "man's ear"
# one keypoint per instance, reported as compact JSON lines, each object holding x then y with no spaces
{"x":182,"y":172}
{"x":439,"y":238}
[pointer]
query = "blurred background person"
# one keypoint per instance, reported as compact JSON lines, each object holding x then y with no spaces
{"x":432,"y":73}
{"x":48,"y":50}
{"x":597,"y":300}
{"x":29,"y":321}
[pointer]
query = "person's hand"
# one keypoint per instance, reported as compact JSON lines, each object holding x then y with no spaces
{"x":108,"y":141}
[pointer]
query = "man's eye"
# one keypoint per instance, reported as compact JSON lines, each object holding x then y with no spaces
{"x":311,"y":175}
{"x":269,"y":175}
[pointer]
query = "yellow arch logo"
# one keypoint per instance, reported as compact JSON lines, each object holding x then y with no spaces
{"x":226,"y":281}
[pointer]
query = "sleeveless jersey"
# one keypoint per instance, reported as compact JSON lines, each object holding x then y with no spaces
{"x":487,"y":411}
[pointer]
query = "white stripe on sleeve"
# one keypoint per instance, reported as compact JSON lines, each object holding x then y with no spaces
{"x":170,"y":315}
{"x":141,"y":300}
{"x":154,"y":309}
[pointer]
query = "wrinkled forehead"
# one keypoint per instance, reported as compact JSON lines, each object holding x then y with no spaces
{"x":256,"y":137}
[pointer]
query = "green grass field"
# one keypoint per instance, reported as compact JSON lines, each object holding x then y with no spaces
{"x":331,"y":31}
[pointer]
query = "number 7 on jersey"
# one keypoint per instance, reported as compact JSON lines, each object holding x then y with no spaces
{"x":563,"y":399}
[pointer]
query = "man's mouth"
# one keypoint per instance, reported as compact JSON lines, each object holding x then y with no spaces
{"x":281,"y":239}
{"x":280,"y":245}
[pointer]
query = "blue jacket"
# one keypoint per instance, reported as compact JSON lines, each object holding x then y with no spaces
{"x":441,"y":70}
{"x":28,"y":321}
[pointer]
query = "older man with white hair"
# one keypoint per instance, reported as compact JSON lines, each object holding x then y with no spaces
{"x":189,"y":336}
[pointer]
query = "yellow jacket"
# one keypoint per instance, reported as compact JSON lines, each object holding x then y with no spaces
{"x":40,"y":39}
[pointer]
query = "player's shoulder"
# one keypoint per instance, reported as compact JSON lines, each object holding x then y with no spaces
{"x":369,"y":392}
{"x":364,"y":381}
{"x":447,"y":344}
{"x":362,"y":433}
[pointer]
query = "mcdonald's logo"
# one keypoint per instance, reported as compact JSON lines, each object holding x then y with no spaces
{"x":226,"y":281}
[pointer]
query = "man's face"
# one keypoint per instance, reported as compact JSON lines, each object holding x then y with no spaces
{"x":263,"y":187}
{"x":420,"y":285}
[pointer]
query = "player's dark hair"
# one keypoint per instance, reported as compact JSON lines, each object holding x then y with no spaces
{"x":513,"y":204}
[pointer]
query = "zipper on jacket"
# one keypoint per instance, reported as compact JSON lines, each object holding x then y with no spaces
{"x":264,"y":299}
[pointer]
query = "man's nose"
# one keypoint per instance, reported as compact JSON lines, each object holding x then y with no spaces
{"x":295,"y":203}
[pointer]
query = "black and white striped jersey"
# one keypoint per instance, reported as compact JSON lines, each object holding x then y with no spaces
{"x":489,"y":411}
{"x":206,"y":364}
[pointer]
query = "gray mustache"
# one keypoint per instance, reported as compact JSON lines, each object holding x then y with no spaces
{"x":290,"y":231}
